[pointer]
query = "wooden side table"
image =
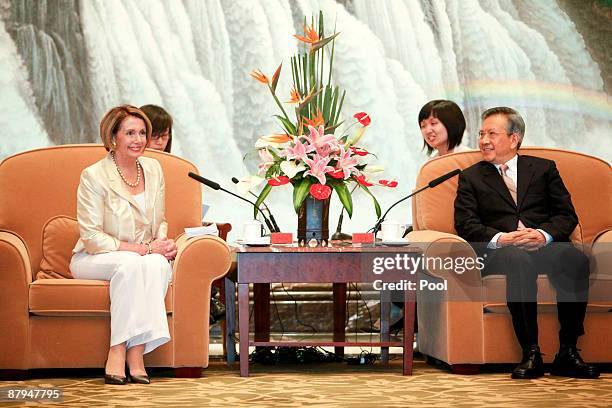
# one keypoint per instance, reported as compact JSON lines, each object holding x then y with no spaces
{"x":338,"y":265}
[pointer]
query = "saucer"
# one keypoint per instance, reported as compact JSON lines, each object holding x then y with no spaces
{"x":263,"y":241}
{"x":395,"y":242}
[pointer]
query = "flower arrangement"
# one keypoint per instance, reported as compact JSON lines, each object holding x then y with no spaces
{"x":307,"y":153}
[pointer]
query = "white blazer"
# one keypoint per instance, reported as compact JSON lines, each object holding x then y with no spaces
{"x":107,"y":213}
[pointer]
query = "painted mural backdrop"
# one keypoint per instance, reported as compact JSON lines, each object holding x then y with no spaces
{"x":63,"y":63}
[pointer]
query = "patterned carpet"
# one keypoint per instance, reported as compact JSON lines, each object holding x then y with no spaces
{"x":325,"y":385}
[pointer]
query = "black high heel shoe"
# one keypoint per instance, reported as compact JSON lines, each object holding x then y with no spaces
{"x":137,"y":379}
{"x":113,"y":379}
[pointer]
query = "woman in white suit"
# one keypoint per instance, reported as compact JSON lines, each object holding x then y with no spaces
{"x":120,"y":210}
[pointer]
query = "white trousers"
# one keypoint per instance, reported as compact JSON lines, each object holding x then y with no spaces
{"x":138,"y":286}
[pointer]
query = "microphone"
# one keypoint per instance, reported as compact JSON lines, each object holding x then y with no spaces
{"x":205,"y":181}
{"x":433,"y":183}
{"x":272,"y":220}
{"x":216,"y":186}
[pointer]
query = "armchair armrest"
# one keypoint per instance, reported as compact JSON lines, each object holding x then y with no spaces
{"x":451,"y":324}
{"x":15,"y":277}
{"x":436,"y":244}
{"x":600,"y":290}
{"x":199,"y":261}
{"x":223,"y":227}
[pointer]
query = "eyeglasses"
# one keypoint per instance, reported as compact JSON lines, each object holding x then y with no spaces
{"x":162,"y":136}
{"x":489,"y":133}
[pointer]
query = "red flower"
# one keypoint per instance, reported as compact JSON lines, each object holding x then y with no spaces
{"x":362,"y":180}
{"x":388,"y":183}
{"x":336,"y":173}
{"x":320,"y":191}
{"x":358,"y":151}
{"x":363,"y":118}
{"x":278,"y":181}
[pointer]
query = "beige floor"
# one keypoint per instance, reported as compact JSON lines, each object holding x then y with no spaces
{"x":325,"y":385}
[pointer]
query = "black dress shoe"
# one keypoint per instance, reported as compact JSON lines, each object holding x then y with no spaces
{"x":140,"y":379}
{"x":115,"y":379}
{"x":568,"y":363}
{"x":531,"y":365}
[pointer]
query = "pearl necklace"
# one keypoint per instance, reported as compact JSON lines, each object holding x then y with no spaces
{"x":138,"y":172}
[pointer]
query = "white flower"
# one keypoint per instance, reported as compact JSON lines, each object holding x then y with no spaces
{"x":248,"y":183}
{"x":373,"y":169}
{"x":291,"y":169}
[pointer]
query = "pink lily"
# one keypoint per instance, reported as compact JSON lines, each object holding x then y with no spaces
{"x":298,"y":151}
{"x":266,"y":160}
{"x":318,"y":167}
{"x":324,"y":144}
{"x":346,"y":162}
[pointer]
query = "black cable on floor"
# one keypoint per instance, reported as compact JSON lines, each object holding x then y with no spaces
{"x":369,"y":315}
{"x":295,"y":309}
{"x":280,"y":321}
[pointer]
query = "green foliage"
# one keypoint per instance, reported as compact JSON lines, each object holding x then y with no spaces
{"x":300,"y":191}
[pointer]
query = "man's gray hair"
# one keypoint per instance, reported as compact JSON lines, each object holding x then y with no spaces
{"x":516,"y":124}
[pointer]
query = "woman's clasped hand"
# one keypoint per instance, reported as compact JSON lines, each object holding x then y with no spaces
{"x":164,"y":246}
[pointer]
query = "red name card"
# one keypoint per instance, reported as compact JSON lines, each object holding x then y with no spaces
{"x":363,"y":238}
{"x":281,"y":238}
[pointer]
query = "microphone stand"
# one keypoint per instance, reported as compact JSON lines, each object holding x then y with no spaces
{"x":272,"y":220}
{"x":378,"y":224}
{"x":216,"y":186}
{"x":433,"y":183}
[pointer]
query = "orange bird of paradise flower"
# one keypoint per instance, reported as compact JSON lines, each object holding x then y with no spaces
{"x":310,"y":33}
{"x":295,"y":96}
{"x":316,"y":121}
{"x":260,"y":76}
{"x":277,"y":138}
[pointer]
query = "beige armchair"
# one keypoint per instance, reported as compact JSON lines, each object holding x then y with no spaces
{"x":64,"y":323}
{"x":470,"y":324}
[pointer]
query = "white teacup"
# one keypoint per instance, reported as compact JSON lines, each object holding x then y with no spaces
{"x":251,"y":231}
{"x":392,"y":230}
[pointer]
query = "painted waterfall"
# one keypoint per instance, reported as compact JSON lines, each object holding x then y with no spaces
{"x":63,"y":63}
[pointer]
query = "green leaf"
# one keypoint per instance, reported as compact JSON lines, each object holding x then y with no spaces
{"x":345,"y":197}
{"x":376,"y":205}
{"x":289,"y":127}
{"x":340,"y":106}
{"x":332,"y":129}
{"x":322,"y":43}
{"x":331,"y":58}
{"x":332,"y":112}
{"x":308,"y":98}
{"x":327,"y":104}
{"x":275,"y":78}
{"x":262,"y":196}
{"x":300,"y":191}
{"x":273,"y":170}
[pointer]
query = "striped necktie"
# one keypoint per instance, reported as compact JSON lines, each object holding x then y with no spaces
{"x":511,"y":187}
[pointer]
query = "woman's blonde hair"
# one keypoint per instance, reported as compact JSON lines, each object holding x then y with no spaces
{"x":109,"y":126}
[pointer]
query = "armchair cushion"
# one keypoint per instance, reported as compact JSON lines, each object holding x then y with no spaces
{"x":59,"y":235}
{"x":75,"y":297}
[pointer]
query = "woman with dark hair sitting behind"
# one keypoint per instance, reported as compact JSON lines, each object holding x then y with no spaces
{"x":161,"y":123}
{"x":123,"y":239}
{"x":442,"y":125}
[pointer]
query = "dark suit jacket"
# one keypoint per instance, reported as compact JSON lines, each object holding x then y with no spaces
{"x":484,"y":207}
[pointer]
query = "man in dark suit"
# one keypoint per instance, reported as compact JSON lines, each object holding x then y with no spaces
{"x":519,"y":208}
